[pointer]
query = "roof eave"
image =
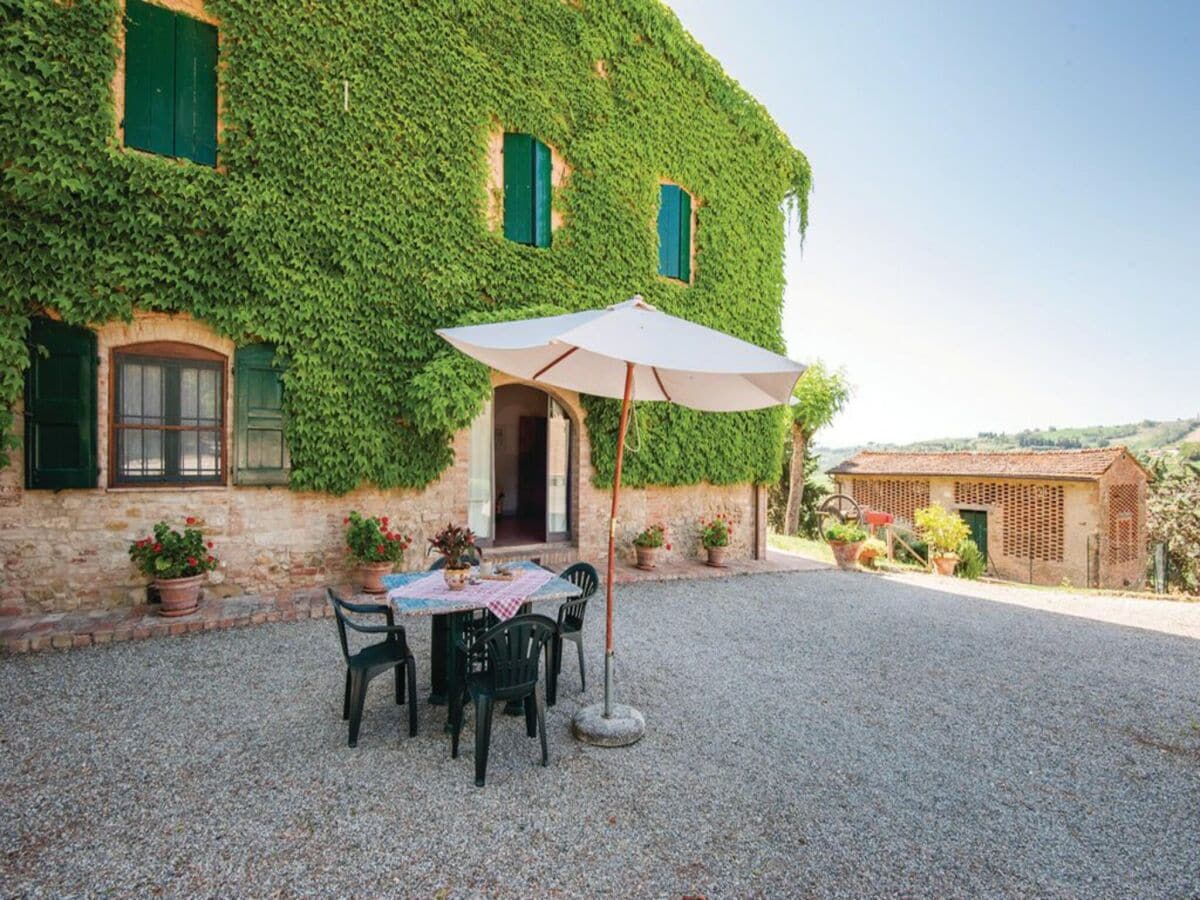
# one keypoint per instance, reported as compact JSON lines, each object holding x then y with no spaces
{"x":905,"y":474}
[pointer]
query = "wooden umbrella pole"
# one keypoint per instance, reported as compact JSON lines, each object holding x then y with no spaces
{"x":612,"y":544}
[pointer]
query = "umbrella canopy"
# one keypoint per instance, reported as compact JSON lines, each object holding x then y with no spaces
{"x":630,"y":350}
{"x":674,"y":360}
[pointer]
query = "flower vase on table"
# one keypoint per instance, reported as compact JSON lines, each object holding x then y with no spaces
{"x":456,"y":545}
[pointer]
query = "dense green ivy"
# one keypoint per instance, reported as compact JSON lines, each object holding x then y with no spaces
{"x":347,"y":237}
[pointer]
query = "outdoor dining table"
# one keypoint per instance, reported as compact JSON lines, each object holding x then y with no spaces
{"x":427,"y":594}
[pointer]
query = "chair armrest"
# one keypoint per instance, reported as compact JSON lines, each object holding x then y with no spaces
{"x":366,"y":608}
{"x":375,"y":629}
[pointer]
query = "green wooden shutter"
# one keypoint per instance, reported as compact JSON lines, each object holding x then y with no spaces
{"x":668,"y":231}
{"x":685,"y":235}
{"x":149,"y":78}
{"x":60,"y":407}
{"x":518,"y":188}
{"x":977,"y":521}
{"x":195,"y":90}
{"x":261,"y":447}
{"x":541,"y":193}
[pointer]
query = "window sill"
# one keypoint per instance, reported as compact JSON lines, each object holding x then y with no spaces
{"x":159,"y":488}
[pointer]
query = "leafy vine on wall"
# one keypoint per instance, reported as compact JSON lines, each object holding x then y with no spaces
{"x":347,"y":236}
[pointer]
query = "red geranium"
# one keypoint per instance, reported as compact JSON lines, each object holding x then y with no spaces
{"x":170,"y":554}
{"x":369,"y":540}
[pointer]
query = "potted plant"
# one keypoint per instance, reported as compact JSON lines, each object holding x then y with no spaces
{"x":456,"y":545}
{"x":714,"y":536}
{"x":845,"y":540}
{"x":872,"y":549}
{"x":943,"y":531}
{"x":648,"y":543}
{"x":177,"y":563}
{"x":375,"y":548}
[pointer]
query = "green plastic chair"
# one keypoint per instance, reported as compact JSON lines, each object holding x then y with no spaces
{"x":501,"y":665}
{"x":374,"y":659}
{"x":570,"y":626}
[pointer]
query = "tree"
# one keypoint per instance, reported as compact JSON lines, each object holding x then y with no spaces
{"x":819,"y":396}
{"x":815,"y":490}
{"x":1174,"y":518}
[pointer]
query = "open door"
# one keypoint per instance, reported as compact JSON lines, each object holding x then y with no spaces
{"x":558,"y":465}
{"x":480,"y":476}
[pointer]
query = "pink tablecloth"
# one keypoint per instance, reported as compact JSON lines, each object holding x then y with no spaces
{"x":501,"y":598}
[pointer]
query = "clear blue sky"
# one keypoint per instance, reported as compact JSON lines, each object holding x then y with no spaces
{"x":1005,"y":230}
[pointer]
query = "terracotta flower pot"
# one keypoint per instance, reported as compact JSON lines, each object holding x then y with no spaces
{"x":457,"y":578}
{"x":945,"y":564}
{"x":867,"y":555}
{"x":647,"y":557}
{"x":179,"y":596}
{"x":716,"y":557}
{"x":845,"y":553}
{"x":370,"y":575}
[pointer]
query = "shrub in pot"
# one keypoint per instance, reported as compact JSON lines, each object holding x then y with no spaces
{"x":456,"y":545}
{"x":648,"y":543}
{"x":971,"y":563}
{"x":177,"y":562}
{"x":714,"y":536}
{"x":845,"y":540}
{"x":943,"y":531}
{"x":872,"y":549}
{"x":375,"y":548}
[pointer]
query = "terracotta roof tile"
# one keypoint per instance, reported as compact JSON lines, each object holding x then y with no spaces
{"x":1075,"y":465}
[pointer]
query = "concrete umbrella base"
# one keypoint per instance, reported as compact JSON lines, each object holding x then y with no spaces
{"x":624,"y":727}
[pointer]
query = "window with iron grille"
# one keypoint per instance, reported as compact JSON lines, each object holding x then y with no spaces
{"x":168,"y":416}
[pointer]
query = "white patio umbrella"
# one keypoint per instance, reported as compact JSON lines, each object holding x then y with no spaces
{"x":630,"y":350}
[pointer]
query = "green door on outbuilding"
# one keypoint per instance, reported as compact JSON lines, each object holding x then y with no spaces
{"x":976,"y":520}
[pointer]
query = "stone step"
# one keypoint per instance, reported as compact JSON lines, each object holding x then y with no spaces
{"x":556,"y":555}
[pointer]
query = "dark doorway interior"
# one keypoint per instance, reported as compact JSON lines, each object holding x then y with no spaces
{"x":527,"y":523}
{"x":520,"y":465}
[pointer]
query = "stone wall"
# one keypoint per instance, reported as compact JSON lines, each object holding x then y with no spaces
{"x":64,"y":550}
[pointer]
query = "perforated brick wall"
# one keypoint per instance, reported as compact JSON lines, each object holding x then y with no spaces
{"x":898,"y":496}
{"x":1032,"y":515}
{"x":1123,"y":531}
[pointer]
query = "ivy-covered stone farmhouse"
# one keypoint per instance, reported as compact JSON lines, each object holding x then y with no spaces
{"x":230,"y":230}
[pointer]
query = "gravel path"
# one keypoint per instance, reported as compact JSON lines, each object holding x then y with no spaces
{"x":822,"y":733}
{"x":1180,"y":617}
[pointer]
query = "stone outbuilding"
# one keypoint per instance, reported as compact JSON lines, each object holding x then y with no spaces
{"x":1041,"y":517}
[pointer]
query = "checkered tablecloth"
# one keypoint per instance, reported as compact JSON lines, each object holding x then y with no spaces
{"x":503,"y":599}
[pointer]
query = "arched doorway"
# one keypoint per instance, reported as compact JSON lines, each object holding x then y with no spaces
{"x":520,"y":468}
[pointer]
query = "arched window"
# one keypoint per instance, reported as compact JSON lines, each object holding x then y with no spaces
{"x":167,"y":415}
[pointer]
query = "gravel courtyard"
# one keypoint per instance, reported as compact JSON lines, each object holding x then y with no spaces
{"x":817,"y":734}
